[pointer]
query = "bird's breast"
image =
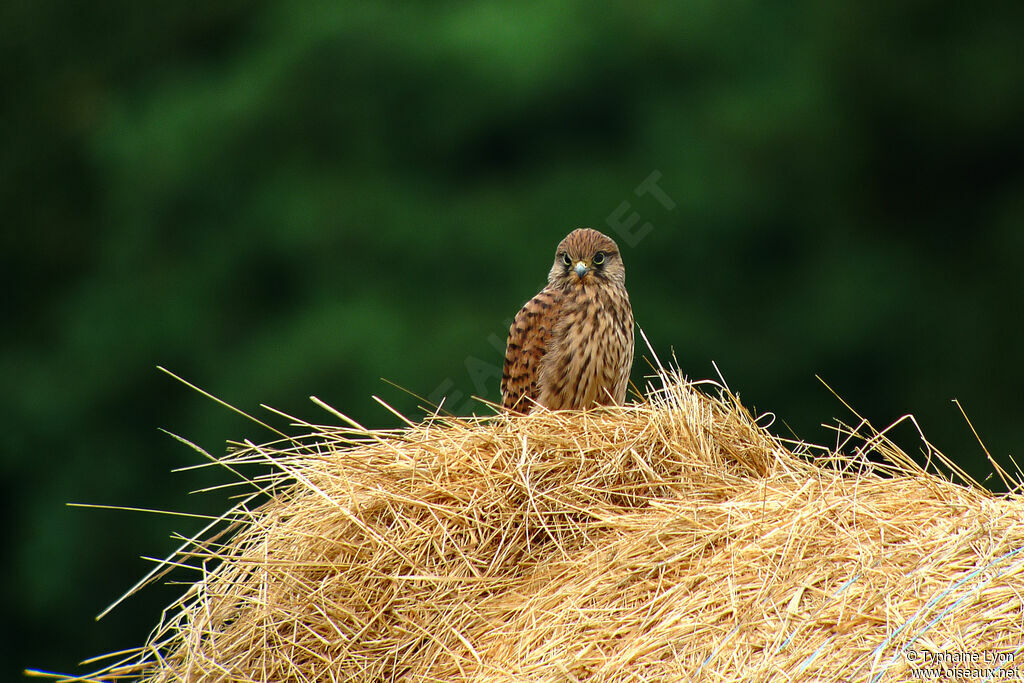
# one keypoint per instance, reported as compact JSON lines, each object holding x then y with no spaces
{"x":591,"y":352}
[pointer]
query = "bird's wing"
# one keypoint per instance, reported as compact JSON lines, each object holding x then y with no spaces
{"x":528,"y":340}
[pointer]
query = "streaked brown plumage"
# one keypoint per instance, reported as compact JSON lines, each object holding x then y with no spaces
{"x":571,"y":346}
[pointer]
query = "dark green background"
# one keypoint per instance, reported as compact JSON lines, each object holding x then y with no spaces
{"x":278,"y":199}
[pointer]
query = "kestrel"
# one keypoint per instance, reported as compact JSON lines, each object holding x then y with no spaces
{"x":571,"y":346}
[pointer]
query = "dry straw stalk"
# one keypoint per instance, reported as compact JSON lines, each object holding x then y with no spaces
{"x":672,"y":540}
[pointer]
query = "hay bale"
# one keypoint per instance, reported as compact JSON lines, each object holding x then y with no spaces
{"x":671,"y":540}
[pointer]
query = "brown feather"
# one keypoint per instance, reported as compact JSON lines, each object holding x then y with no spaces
{"x":528,"y":339}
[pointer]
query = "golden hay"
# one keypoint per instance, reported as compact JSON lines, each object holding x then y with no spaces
{"x":671,"y":540}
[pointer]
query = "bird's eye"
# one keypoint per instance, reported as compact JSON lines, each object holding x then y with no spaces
{"x":598,"y":258}
{"x":566,"y":260}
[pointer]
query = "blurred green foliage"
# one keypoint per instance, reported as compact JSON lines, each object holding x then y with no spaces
{"x":282,"y":199}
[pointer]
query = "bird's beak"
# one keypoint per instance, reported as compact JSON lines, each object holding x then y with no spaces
{"x":581,"y":269}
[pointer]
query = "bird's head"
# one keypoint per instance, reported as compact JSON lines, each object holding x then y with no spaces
{"x":587,"y":257}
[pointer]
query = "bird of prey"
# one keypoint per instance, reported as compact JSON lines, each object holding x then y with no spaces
{"x":571,"y":346}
